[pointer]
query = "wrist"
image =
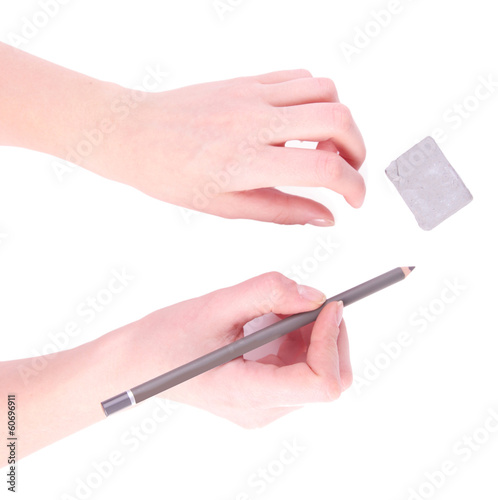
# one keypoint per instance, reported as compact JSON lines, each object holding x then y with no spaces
{"x":87,"y":131}
{"x":46,"y":107}
{"x":132,"y":355}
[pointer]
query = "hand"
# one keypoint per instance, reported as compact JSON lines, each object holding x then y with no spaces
{"x":215,"y":147}
{"x":312,"y":363}
{"x":218,"y":147}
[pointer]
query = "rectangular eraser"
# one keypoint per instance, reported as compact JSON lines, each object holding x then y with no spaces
{"x":428,"y":183}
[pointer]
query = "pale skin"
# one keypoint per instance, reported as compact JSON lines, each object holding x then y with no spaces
{"x":174,"y":145}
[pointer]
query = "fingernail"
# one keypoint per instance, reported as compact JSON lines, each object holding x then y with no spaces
{"x":322,"y":222}
{"x":340,"y":310}
{"x":311,"y":294}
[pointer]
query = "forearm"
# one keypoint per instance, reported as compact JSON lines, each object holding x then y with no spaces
{"x":45,"y":107}
{"x":64,"y":394}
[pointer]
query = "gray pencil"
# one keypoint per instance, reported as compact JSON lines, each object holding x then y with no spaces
{"x":239,"y":347}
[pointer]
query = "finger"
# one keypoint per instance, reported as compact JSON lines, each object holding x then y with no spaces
{"x":327,"y":145}
{"x":304,"y":167}
{"x":305,"y":334}
{"x":300,"y":91}
{"x":292,"y":350}
{"x":271,"y":205}
{"x":323,"y":353}
{"x":270,"y":292}
{"x":323,"y":121}
{"x":283,"y":76}
{"x":271,"y":359}
{"x":344,"y":357}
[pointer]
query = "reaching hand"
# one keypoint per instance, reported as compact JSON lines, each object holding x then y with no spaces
{"x":219,"y":147}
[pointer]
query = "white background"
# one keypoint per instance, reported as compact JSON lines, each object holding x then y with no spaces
{"x":62,"y":238}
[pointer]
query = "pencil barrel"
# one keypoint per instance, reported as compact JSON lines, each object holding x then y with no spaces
{"x":369,"y":287}
{"x":257,"y":339}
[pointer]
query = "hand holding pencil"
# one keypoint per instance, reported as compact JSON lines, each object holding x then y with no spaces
{"x":333,"y":382}
{"x":311,"y":365}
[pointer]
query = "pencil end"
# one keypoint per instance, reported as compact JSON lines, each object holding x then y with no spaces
{"x":117,"y":403}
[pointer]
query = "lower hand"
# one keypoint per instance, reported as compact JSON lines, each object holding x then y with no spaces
{"x":312,"y":363}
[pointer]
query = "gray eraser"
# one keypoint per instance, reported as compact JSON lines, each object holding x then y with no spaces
{"x":428,"y":183}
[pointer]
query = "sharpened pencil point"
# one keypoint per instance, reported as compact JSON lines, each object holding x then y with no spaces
{"x":407,"y":270}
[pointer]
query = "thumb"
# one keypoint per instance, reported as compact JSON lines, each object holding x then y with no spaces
{"x":318,"y":379}
{"x":271,"y":205}
{"x":323,"y":351}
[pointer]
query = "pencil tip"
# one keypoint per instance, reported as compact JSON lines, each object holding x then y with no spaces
{"x":407,"y":270}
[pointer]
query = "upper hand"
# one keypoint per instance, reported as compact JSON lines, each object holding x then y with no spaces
{"x":219,"y":147}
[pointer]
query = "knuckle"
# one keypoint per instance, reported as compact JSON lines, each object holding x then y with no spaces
{"x":326,"y":88}
{"x":357,"y":192}
{"x":274,"y":279}
{"x":283,"y":212}
{"x":274,"y":286}
{"x":341,"y":117}
{"x":362,"y":188}
{"x":304,"y":73}
{"x":347,"y":379}
{"x":362,"y":152}
{"x":328,"y":169}
{"x":331,"y":390}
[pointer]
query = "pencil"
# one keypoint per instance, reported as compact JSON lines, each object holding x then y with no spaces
{"x":239,"y":347}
